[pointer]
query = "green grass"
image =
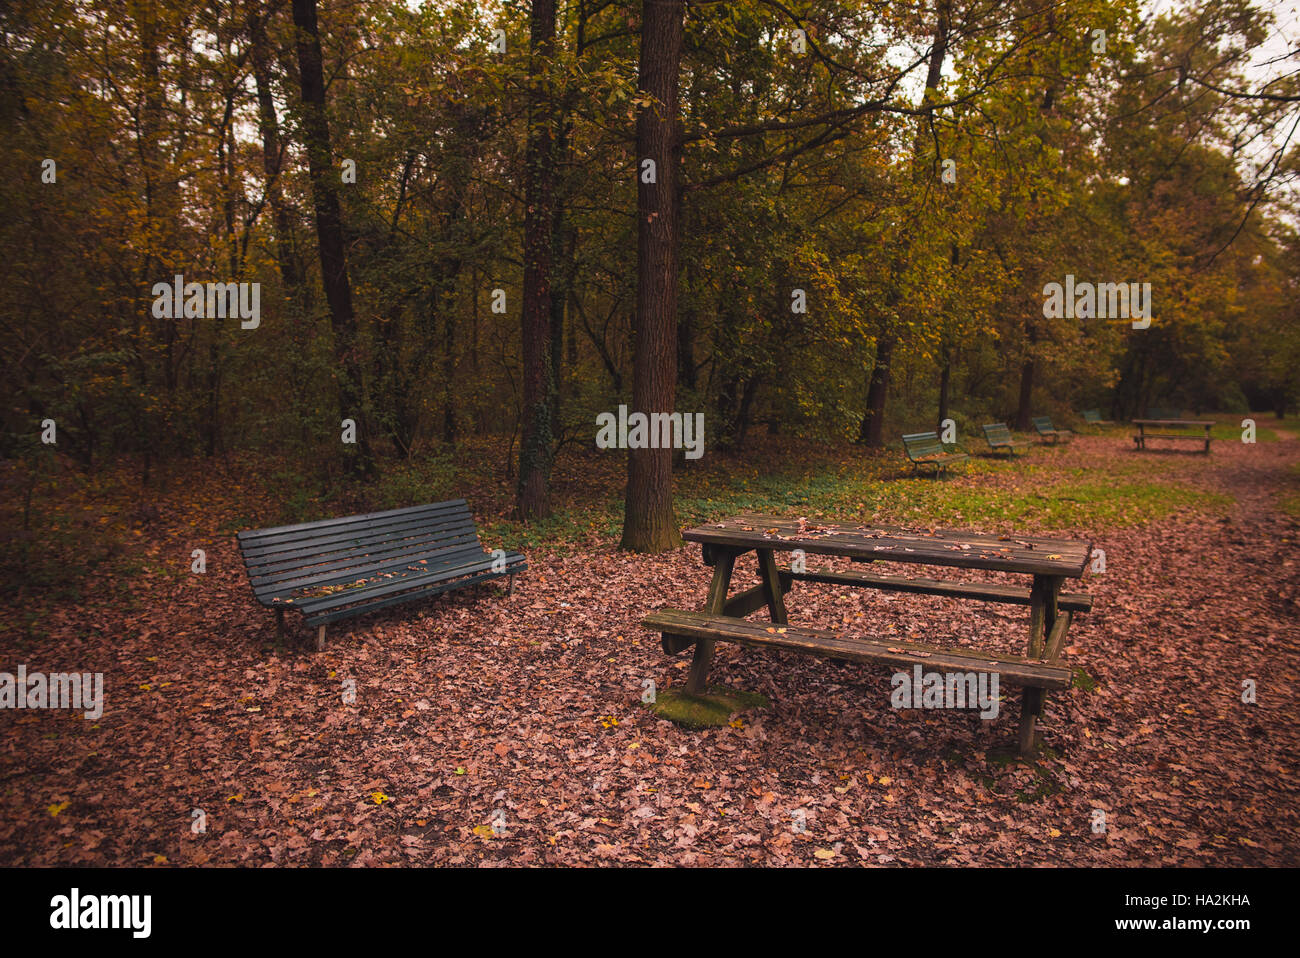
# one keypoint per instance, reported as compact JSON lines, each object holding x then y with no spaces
{"x":1036,"y":498}
{"x":1290,"y":502}
{"x":711,"y":710}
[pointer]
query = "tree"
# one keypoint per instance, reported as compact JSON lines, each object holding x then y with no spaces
{"x":535,"y":448}
{"x":329,"y":230}
{"x":649,"y":524}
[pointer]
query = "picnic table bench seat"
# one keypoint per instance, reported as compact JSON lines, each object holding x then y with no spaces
{"x":1043,"y":425}
{"x":338,"y":568}
{"x":687,"y":628}
{"x":998,"y":436}
{"x":925,"y":450}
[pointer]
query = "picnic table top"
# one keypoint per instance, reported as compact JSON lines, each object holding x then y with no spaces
{"x":1173,"y":422}
{"x":969,"y":550}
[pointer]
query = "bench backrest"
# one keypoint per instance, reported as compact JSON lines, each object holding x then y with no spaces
{"x":997,"y":433}
{"x":1043,"y":423}
{"x":918,"y":444}
{"x":340,"y":550}
{"x":1092,"y":415}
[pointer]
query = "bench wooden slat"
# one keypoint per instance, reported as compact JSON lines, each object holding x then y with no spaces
{"x":364,"y":519}
{"x":364,"y":567}
{"x":985,"y":591}
{"x":282,"y":566}
{"x":293,"y":540}
{"x":398,"y":583}
{"x":1011,"y":669}
{"x":336,"y":614}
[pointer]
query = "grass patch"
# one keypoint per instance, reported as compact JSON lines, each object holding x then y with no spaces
{"x":713,"y":709}
{"x":1082,"y":680}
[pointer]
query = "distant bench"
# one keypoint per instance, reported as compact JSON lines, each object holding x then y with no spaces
{"x":998,"y":436}
{"x":925,"y":449}
{"x":1140,"y":440}
{"x":1043,"y":425}
{"x":338,"y":568}
{"x":1093,"y":418}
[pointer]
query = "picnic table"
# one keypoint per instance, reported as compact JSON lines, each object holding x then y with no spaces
{"x":1050,"y":562}
{"x":1142,"y":436}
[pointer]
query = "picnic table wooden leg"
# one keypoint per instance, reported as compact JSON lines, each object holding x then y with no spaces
{"x":320,"y":639}
{"x":773,"y":586}
{"x":722,"y":567}
{"x":1043,"y":614}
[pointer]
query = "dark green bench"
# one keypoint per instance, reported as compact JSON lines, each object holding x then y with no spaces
{"x":925,"y":449}
{"x":1093,"y":418}
{"x":998,"y":436}
{"x":338,"y":568}
{"x":1044,"y":427}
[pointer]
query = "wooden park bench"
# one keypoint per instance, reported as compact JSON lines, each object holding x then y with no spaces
{"x":998,"y":436}
{"x":925,"y":449}
{"x":1143,"y":425}
{"x":1043,"y":425}
{"x":1049,"y":561}
{"x":338,"y":568}
{"x":1093,"y":418}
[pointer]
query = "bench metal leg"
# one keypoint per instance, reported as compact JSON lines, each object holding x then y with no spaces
{"x":716,"y":603}
{"x":320,"y":639}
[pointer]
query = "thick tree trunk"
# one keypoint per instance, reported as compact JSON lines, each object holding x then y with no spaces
{"x":648,"y":523}
{"x":533,"y":495}
{"x":329,"y":229}
{"x":872,"y":433}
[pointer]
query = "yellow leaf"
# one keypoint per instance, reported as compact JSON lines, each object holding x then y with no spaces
{"x":379,"y":798}
{"x":483,"y":831}
{"x":885,"y":780}
{"x":55,"y":809}
{"x":824,"y":854}
{"x":160,"y":859}
{"x":1054,"y":832}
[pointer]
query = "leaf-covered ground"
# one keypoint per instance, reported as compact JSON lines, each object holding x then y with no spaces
{"x":525,"y":711}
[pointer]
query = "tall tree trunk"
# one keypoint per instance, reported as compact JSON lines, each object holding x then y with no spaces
{"x":1024,"y":405}
{"x":269,"y":127}
{"x":871,"y":433}
{"x":648,"y":521}
{"x":329,"y":230}
{"x":534,"y":494}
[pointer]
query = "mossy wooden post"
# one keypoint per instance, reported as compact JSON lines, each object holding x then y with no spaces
{"x":725,"y":561}
{"x":320,"y":639}
{"x":773,"y":586}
